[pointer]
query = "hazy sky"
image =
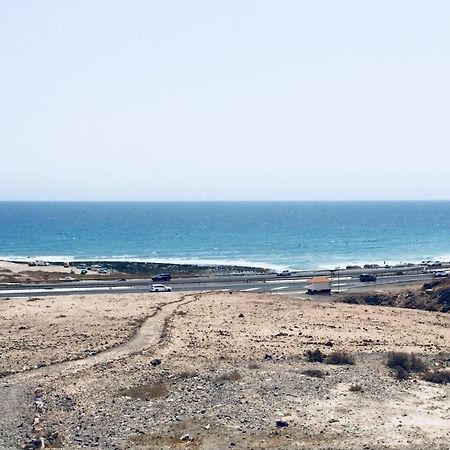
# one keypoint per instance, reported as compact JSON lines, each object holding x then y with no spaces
{"x":224,"y":100}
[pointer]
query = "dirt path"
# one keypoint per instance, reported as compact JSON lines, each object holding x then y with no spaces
{"x":17,"y":398}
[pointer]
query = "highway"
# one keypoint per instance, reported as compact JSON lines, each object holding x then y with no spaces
{"x":294,"y":285}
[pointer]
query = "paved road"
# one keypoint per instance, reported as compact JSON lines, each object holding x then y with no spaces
{"x":294,"y":285}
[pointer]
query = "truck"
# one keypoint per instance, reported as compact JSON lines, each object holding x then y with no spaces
{"x":319,"y":285}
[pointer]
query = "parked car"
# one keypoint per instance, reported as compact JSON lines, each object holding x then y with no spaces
{"x":364,"y":277}
{"x":162,"y":277}
{"x":440,"y":274}
{"x":284,"y":273}
{"x":160,"y":288}
{"x":83,"y":271}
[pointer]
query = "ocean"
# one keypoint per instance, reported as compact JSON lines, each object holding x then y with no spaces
{"x":294,"y":235}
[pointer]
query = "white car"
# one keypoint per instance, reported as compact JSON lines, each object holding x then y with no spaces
{"x":68,"y":279}
{"x":285,"y":273}
{"x":440,"y":274}
{"x":160,"y":288}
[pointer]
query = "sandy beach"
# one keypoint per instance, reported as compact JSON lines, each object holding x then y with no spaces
{"x":213,"y":371}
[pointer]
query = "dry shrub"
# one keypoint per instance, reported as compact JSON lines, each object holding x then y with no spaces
{"x":315,"y":356}
{"x":146,"y":391}
{"x":254,"y":365}
{"x":405,"y":363}
{"x":316,"y":373}
{"x":187,"y":374}
{"x":340,"y":358}
{"x":439,"y":377}
{"x":229,"y":376}
{"x":356,"y":388}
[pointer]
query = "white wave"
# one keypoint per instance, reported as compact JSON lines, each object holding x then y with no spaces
{"x":127,"y":258}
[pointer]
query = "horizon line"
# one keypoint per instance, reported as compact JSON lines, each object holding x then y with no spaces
{"x":227,"y":201}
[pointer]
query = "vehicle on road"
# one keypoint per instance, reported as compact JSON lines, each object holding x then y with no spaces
{"x":319,"y":285}
{"x":162,"y":277}
{"x":160,"y":288}
{"x":83,"y":271}
{"x":42,"y":263}
{"x":68,"y":279}
{"x":284,"y":273}
{"x":440,"y":274}
{"x":365,"y":277}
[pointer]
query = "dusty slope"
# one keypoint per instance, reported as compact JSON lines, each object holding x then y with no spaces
{"x":214,"y":389}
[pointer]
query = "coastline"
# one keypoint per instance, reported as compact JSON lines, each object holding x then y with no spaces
{"x":31,"y":270}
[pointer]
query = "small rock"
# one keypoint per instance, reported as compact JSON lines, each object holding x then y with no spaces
{"x":282,"y":424}
{"x":268,"y":357}
{"x":185,"y":437}
{"x":241,"y":315}
{"x":155,"y":362}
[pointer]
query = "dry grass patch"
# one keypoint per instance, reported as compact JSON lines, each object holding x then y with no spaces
{"x":316,"y":373}
{"x":254,"y":365}
{"x":356,"y":388}
{"x":439,"y":376}
{"x":405,"y":363}
{"x":340,"y":358}
{"x":146,"y":391}
{"x":229,"y":376}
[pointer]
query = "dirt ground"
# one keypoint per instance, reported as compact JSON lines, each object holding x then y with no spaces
{"x":217,"y":371}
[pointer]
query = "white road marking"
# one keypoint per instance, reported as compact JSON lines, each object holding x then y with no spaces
{"x":279,"y":288}
{"x":291,"y":293}
{"x":58,"y":290}
{"x":303,"y":280}
{"x":250,"y":289}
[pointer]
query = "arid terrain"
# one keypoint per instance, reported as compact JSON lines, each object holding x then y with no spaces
{"x":218,"y":371}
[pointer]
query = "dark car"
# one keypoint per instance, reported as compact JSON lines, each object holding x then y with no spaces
{"x":367,"y":277}
{"x":162,"y":277}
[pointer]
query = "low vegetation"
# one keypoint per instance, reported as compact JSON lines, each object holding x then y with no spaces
{"x":315,"y":356}
{"x":438,"y":376}
{"x":229,"y":376}
{"x":315,"y":373}
{"x":404,"y":364}
{"x":356,"y":388}
{"x":336,"y":358}
{"x":340,"y":358}
{"x":146,"y":391}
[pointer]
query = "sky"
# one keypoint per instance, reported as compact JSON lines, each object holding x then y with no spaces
{"x":224,"y":100}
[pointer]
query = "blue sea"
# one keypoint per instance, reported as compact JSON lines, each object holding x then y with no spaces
{"x":296,"y":235}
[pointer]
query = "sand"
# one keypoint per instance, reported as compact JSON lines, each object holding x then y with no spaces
{"x":231,"y":366}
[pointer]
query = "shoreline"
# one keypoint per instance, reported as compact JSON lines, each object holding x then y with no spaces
{"x":136,"y":265}
{"x":225,"y":265}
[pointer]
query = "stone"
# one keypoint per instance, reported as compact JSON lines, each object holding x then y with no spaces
{"x":155,"y":362}
{"x":281,"y":424}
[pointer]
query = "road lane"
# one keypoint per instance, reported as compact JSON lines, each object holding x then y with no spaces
{"x":286,"y":287}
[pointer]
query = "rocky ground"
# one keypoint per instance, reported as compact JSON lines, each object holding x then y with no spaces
{"x":218,"y":371}
{"x":432,"y":296}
